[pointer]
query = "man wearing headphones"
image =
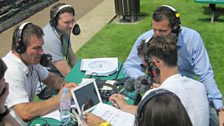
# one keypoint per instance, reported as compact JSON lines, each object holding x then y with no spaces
{"x":192,"y":55}
{"x":24,"y":73}
{"x":160,"y":54}
{"x":57,"y":38}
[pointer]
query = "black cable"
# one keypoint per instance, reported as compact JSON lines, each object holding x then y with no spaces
{"x":46,"y":92}
{"x":41,"y":85}
{"x":94,"y":74}
{"x":118,"y":72}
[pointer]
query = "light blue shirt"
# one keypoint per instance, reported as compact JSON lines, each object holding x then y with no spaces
{"x":192,"y":60}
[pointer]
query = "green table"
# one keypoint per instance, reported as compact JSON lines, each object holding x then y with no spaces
{"x":76,"y":76}
{"x":212,"y":5}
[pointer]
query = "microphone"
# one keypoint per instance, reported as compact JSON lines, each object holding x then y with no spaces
{"x":46,"y":60}
{"x":76,"y":29}
{"x":142,"y":83}
{"x":128,"y":85}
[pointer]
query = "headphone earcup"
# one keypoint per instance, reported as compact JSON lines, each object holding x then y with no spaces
{"x":20,"y":48}
{"x":53,"y":22}
{"x":105,"y":94}
{"x":76,"y":29}
{"x":176,"y":28}
{"x":155,"y":71}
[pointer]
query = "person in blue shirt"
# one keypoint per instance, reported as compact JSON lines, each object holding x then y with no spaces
{"x":193,"y":59}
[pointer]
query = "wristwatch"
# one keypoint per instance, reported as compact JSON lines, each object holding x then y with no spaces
{"x":105,"y":124}
{"x":5,"y":113}
{"x":220,"y":109}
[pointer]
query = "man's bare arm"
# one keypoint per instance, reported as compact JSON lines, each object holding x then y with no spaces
{"x":28,"y":111}
{"x":62,"y":67}
{"x":54,"y":81}
{"x":72,"y":57}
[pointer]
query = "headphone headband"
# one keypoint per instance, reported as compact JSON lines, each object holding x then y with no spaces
{"x":20,"y":46}
{"x":53,"y":20}
{"x":21,"y":27}
{"x":173,"y":9}
{"x":139,"y":115}
{"x":60,"y":8}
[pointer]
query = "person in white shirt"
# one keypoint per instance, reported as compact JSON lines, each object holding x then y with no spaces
{"x":24,"y":73}
{"x":160,"y":54}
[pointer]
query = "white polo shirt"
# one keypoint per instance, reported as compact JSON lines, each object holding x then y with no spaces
{"x":193,"y":96}
{"x":22,"y":81}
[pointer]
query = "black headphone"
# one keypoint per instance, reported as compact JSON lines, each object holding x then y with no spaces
{"x":153,"y":70}
{"x":55,"y":15}
{"x":75,"y":30}
{"x":139,"y":115}
{"x":20,"y":46}
{"x":105,"y":93}
{"x":176,"y":26}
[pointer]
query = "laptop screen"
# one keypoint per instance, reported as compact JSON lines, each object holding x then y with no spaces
{"x":86,"y":96}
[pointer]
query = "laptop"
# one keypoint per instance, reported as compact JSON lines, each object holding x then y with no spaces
{"x":86,"y":96}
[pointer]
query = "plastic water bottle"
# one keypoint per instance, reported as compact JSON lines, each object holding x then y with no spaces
{"x":65,"y":103}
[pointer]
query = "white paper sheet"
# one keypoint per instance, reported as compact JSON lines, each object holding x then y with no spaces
{"x":113,"y":115}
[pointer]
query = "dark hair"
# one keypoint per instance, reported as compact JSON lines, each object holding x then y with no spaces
{"x":165,"y":12}
{"x":3,"y":68}
{"x":55,"y":8}
{"x":28,"y":31}
{"x":164,"y":109}
{"x":162,"y":47}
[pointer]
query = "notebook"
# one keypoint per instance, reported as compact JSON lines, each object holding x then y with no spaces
{"x":86,"y":96}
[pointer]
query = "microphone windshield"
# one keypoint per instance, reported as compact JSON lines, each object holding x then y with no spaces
{"x":76,"y":29}
{"x":129,"y":84}
{"x":46,"y":60}
{"x":141,"y":84}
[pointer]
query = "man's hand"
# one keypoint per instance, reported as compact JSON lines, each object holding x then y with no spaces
{"x":93,"y":120}
{"x":221,"y":118}
{"x":69,"y":85}
{"x":118,"y":101}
